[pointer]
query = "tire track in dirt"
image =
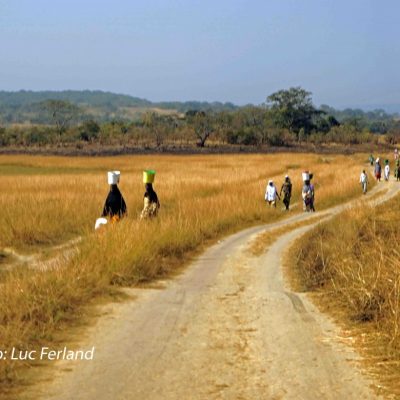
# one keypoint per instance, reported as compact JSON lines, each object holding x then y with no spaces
{"x":57,"y":256}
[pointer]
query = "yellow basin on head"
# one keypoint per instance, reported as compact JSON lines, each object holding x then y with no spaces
{"x":148,"y":176}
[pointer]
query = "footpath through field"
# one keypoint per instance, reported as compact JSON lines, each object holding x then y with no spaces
{"x":227,"y":328}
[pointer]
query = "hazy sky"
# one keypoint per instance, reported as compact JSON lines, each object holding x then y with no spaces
{"x":347,"y":52}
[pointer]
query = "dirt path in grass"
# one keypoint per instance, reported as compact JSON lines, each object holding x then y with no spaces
{"x":227,"y":328}
{"x":50,"y":257}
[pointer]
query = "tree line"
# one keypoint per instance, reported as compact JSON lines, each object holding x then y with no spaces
{"x":288,"y":117}
{"x":27,"y":106}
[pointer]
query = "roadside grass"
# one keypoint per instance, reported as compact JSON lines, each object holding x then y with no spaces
{"x":202,"y":198}
{"x":351,"y":267}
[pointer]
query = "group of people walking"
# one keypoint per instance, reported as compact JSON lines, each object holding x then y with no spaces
{"x":378,"y":170}
{"x":376,"y":163}
{"x":386,"y":169}
{"x":308,"y":192}
{"x":115,"y":206}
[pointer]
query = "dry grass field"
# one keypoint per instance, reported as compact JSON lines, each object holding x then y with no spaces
{"x":46,"y":201}
{"x":351,"y":265}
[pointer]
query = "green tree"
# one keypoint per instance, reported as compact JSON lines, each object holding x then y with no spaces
{"x":223,"y":122}
{"x":4,"y":140}
{"x":255,"y":119}
{"x":293,"y":110}
{"x":89,"y":131}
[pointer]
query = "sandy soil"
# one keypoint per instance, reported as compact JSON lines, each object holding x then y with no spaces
{"x":228,"y":328}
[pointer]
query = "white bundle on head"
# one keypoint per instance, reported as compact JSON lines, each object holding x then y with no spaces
{"x":113,"y":177}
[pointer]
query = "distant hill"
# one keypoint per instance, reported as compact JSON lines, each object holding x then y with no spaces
{"x":84,"y":97}
{"x":389,"y":108}
{"x":25,"y":107}
{"x":21,"y":106}
{"x":376,"y":113}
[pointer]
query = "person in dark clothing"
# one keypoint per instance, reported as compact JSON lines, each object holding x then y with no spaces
{"x":397,"y":170}
{"x":151,"y":204}
{"x":287,"y":191}
{"x":115,"y":206}
{"x":312,"y":189}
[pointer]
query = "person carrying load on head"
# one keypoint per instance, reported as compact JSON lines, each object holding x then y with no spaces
{"x":271,"y":193}
{"x":307,"y":192}
{"x":378,"y":170}
{"x":114,"y":207}
{"x":364,"y":181}
{"x":387,"y":170}
{"x":150,"y":199}
{"x":287,"y":192}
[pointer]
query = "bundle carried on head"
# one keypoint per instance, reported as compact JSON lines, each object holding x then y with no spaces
{"x":113,"y":177}
{"x":306,"y":176}
{"x":148,"y":176}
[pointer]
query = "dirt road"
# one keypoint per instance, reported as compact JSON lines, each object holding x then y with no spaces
{"x":228,"y":328}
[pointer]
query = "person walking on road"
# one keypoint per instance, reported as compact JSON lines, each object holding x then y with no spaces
{"x":312,"y":188}
{"x":287,"y":192}
{"x":397,"y":170}
{"x":371,"y":160}
{"x":271,"y":194}
{"x":364,"y":181}
{"x":387,"y":170}
{"x":378,"y":170}
{"x":306,"y":194}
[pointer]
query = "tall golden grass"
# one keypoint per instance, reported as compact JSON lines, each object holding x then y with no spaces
{"x":353,"y":261}
{"x":47,"y":200}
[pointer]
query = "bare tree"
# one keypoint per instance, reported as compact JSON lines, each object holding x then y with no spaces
{"x":203,"y":125}
{"x":160,"y":126}
{"x":61,"y":112}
